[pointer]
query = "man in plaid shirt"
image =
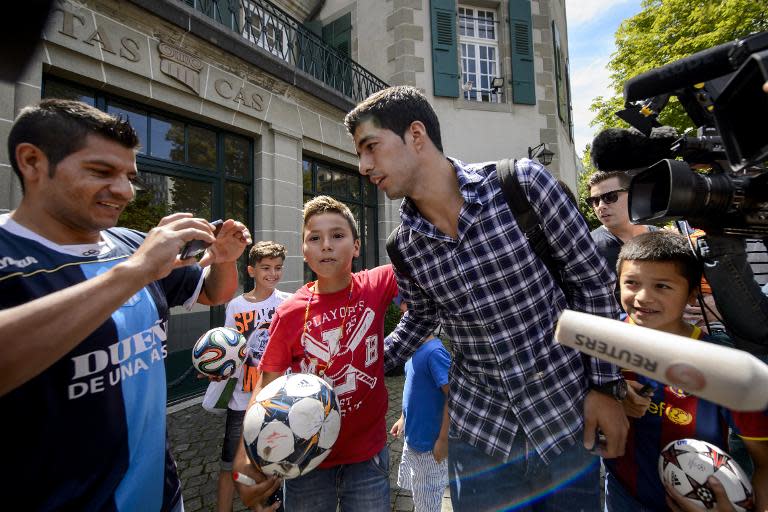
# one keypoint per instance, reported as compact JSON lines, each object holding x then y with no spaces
{"x":524,"y":410}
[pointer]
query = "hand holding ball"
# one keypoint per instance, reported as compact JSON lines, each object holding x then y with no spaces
{"x":686,"y":464}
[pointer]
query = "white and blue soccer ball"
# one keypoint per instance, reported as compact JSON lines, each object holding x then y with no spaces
{"x":686,"y":464}
{"x":292,"y":426}
{"x":219,"y":352}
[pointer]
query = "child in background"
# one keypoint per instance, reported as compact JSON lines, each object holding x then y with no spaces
{"x":251,"y":315}
{"x":424,"y":465}
{"x":658,"y":276}
{"x":334,"y":328}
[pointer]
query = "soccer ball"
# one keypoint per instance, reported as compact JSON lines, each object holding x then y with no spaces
{"x":686,"y":464}
{"x":219,"y":352}
{"x":292,"y":425}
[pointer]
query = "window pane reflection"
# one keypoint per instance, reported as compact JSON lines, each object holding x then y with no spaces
{"x":165,"y":195}
{"x":55,"y":89}
{"x":306,"y":176}
{"x":236,"y":161}
{"x":202,"y":147}
{"x":236,"y":207}
{"x":167,"y":139}
{"x":324,"y":180}
{"x":137,"y":118}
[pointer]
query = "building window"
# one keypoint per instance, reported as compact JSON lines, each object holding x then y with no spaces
{"x":184,"y":166}
{"x":352,"y":189}
{"x":479,"y":49}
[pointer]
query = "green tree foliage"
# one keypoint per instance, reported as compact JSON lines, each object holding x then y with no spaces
{"x":583,"y":189}
{"x":141,"y":213}
{"x":668,"y":30}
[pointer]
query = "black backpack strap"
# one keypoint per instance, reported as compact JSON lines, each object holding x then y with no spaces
{"x":394,"y":255}
{"x":526,"y":217}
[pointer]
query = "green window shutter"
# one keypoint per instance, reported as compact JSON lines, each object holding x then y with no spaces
{"x":338,"y":34}
{"x":523,"y":77}
{"x":338,"y":72}
{"x":445,"y":62}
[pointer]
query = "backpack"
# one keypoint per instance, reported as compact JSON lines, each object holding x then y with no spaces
{"x":526,"y":218}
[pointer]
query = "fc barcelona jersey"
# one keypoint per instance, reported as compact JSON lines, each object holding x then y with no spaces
{"x":674,"y":414}
{"x":88,"y":433}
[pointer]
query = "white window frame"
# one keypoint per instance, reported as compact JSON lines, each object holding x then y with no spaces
{"x":473,"y":41}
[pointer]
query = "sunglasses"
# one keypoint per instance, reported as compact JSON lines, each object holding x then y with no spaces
{"x":607,"y":198}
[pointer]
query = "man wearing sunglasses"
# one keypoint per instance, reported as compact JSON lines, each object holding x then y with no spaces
{"x":608,"y":196}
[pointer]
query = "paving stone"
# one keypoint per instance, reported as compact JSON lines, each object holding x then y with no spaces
{"x":193,"y":505}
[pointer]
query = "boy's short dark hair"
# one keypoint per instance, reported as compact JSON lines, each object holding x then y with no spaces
{"x":601,"y":176}
{"x":663,"y":246}
{"x":395,"y":108}
{"x":326,"y":204}
{"x":59,"y":128}
{"x":265,"y":249}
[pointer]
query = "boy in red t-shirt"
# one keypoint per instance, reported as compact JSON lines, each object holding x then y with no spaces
{"x":334,"y":328}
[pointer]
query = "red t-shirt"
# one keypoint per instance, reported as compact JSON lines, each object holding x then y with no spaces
{"x":352,"y":363}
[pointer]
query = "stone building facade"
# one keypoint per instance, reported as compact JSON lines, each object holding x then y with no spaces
{"x":239,"y":104}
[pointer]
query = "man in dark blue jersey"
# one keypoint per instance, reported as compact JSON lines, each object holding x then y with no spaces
{"x":84,"y":308}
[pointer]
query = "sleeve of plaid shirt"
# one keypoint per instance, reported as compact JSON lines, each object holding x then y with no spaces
{"x":418,"y":323}
{"x":589,"y":285}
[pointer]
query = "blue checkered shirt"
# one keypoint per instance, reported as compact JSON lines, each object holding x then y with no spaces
{"x":498,"y":305}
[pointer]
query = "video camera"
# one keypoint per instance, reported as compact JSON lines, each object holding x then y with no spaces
{"x":721,"y":91}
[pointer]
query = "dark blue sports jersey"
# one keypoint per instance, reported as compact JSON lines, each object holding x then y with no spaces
{"x":89,"y":432}
{"x":674,"y":414}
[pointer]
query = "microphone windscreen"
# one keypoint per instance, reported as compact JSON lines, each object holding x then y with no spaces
{"x":617,"y":149}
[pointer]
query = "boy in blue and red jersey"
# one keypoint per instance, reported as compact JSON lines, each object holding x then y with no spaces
{"x":658,"y":276}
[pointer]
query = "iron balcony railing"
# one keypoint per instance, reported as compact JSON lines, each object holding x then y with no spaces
{"x":268,"y":27}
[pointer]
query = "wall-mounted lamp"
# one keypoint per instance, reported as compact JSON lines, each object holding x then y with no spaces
{"x":497,"y":84}
{"x":541,"y":153}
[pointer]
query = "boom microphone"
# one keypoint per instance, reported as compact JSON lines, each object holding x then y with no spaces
{"x":725,"y":376}
{"x":617,"y":149}
{"x":699,"y":67}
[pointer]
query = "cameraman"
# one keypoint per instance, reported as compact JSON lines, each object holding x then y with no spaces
{"x":738,"y":296}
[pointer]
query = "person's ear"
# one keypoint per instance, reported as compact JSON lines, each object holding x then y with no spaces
{"x":251,"y":271}
{"x":357,"y":248}
{"x":418,"y":134}
{"x":32,"y":162}
{"x":693,"y":296}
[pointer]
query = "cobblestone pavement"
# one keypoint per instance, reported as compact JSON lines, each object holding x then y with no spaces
{"x":196,"y":435}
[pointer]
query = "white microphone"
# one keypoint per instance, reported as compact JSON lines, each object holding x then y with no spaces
{"x":726,"y":376}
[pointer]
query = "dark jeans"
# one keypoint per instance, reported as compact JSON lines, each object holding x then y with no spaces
{"x":523,"y":482}
{"x":361,"y":487}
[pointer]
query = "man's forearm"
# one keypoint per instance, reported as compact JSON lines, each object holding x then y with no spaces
{"x":70,"y":316}
{"x":738,"y":296}
{"x":220,"y":284}
{"x":409,"y":335}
